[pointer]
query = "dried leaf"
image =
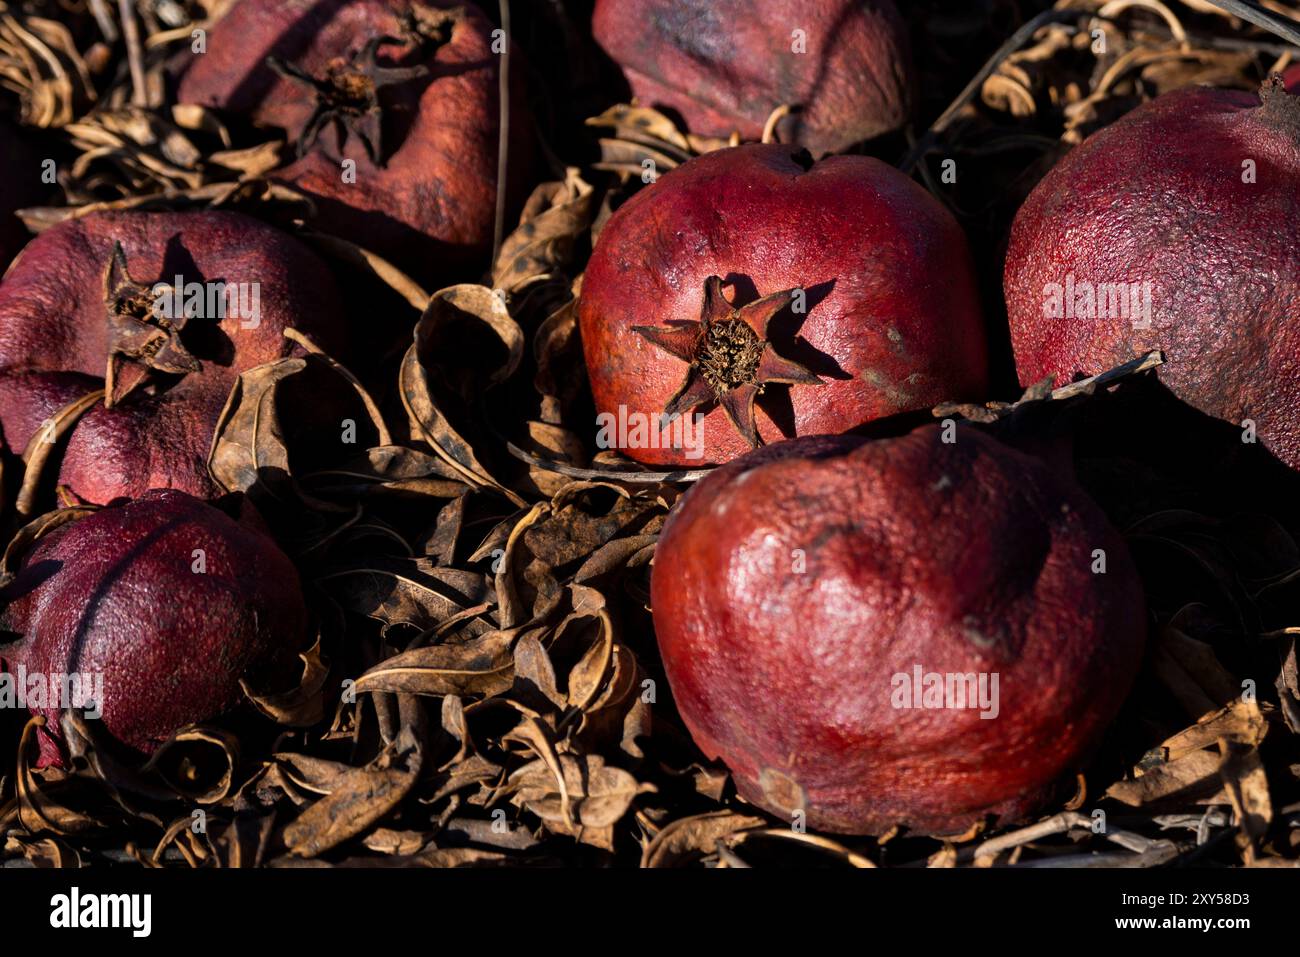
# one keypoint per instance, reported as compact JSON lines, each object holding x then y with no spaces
{"x":359,"y":800}
{"x":481,"y":666}
{"x":689,"y":838}
{"x":438,"y":378}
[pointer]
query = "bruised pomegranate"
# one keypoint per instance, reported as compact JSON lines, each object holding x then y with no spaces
{"x":405,"y":90}
{"x":775,"y":296}
{"x":89,"y":300}
{"x":161,"y":606}
{"x":1174,"y":228}
{"x":910,"y":631}
{"x":725,"y":65}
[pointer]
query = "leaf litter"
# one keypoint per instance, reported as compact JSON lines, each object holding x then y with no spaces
{"x":483,"y":687}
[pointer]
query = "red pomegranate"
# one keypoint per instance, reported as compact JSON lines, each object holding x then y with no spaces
{"x":88,"y":298}
{"x":160,"y":606}
{"x":776,"y":297}
{"x":1174,"y":228}
{"x":725,"y":65}
{"x":808,"y":596}
{"x":406,"y":90}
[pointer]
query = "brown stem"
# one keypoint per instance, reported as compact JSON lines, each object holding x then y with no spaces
{"x":503,"y":134}
{"x":134,"y":55}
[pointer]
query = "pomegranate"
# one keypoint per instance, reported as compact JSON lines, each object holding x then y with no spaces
{"x":851,"y":298}
{"x":811,"y":597}
{"x":407,"y":91}
{"x":725,"y":65}
{"x":159,"y":606}
{"x":1149,"y":236}
{"x":88,"y":300}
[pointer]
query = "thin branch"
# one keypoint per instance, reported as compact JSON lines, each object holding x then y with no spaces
{"x":639,"y":478}
{"x":503,"y":135}
{"x":107,"y":25}
{"x":134,"y":53}
{"x":1251,"y":12}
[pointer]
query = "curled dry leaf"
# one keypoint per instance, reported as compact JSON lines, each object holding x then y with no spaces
{"x":596,"y":796}
{"x":644,"y":143}
{"x":535,"y":681}
{"x":399,"y":591}
{"x":277,"y":405}
{"x":43,"y":851}
{"x":1187,"y":768}
{"x":32,"y":532}
{"x":466,"y":342}
{"x":481,"y":666}
{"x":198,"y":762}
{"x":359,"y":799}
{"x":40,"y":62}
{"x":1288,"y":686}
{"x":302,"y":705}
{"x":391,"y":469}
{"x":132,"y":152}
{"x":38,"y":807}
{"x":542,"y":246}
{"x":821,"y":846}
{"x":40,"y":449}
{"x":689,"y":838}
{"x":249,"y":451}
{"x":259,"y":197}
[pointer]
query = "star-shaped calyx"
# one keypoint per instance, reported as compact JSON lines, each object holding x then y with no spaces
{"x":729,"y":358}
{"x":141,"y":337}
{"x":348,"y":96}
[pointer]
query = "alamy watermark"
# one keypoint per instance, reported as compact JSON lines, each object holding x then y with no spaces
{"x":641,"y":430}
{"x":1081,"y":299}
{"x":209,"y":300}
{"x":934,"y":690}
{"x":36,"y":690}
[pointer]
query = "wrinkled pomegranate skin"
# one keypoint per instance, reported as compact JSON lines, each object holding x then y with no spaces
{"x":115,"y":594}
{"x":431,"y":208}
{"x":893,"y":320}
{"x":725,"y":65}
{"x":1158,"y":196}
{"x":54,"y":340}
{"x":963,"y":557}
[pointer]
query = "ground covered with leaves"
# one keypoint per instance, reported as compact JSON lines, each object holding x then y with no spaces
{"x":485,"y":687}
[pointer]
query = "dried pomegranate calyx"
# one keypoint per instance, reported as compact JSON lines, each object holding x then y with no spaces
{"x":140,"y":337}
{"x":1280,"y":107}
{"x":729,"y":357}
{"x":349,"y":96}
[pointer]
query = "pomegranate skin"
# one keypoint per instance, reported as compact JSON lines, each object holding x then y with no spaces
{"x":430,"y":208}
{"x":892,"y":320}
{"x":725,"y":65}
{"x":54,"y":340}
{"x":791,"y":586}
{"x":1158,"y":198}
{"x":116,"y":594}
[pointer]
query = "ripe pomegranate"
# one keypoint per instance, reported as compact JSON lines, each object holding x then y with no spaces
{"x":725,"y":65}
{"x":848,"y":283}
{"x":168,"y":599}
{"x":1175,"y":229}
{"x":79,"y":305}
{"x":806,"y":595}
{"x":406,"y":90}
